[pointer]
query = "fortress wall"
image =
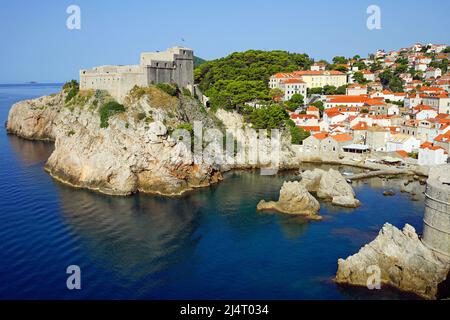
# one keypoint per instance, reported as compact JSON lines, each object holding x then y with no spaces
{"x":159,"y":75}
{"x":436,"y":234}
{"x":117,"y":84}
{"x":176,"y":65}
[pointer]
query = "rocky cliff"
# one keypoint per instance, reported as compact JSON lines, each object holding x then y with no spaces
{"x":122,"y":149}
{"x":115,"y":149}
{"x":403,"y":262}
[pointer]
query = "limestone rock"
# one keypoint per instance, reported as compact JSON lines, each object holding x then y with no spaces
{"x":132,"y":154}
{"x":311,"y":179}
{"x":346,"y":201}
{"x":284,"y":157}
{"x":330,"y":185}
{"x":388,"y":193}
{"x":403,"y":260}
{"x":294,"y":199}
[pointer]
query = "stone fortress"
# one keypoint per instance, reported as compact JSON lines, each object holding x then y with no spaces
{"x":175,"y":65}
{"x":436,"y":222}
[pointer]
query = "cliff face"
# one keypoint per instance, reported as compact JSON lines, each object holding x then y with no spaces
{"x":120,"y":150}
{"x":131,"y":151}
{"x":402,"y":260}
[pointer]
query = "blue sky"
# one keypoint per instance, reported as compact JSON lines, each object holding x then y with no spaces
{"x":37,"y":46}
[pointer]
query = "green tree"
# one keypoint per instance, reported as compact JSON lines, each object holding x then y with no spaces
{"x":297,"y":134}
{"x":340,"y":60}
{"x":340,"y":68}
{"x":360,"y":65}
{"x":396,"y":84}
{"x":275,"y":93}
{"x":296,"y":101}
{"x":402,"y":68}
{"x":315,"y":91}
{"x":329,"y":90}
{"x":385,"y":77}
{"x":319,"y":105}
{"x":359,"y":78}
{"x":269,"y":117}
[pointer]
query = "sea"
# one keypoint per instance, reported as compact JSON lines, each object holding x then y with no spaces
{"x":210,"y":243}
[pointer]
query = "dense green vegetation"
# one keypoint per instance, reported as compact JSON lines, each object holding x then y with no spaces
{"x":198,"y":61}
{"x":232,"y":94}
{"x":274,"y":117}
{"x":443,"y":65}
{"x":170,"y":88}
{"x":108,"y":110}
{"x":243,"y":76}
{"x":328,"y":90}
{"x":296,"y":101}
{"x":71,"y":88}
{"x":359,"y":78}
{"x":391,"y":81}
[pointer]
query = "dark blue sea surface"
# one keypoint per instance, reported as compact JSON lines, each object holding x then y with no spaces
{"x":208,"y":244}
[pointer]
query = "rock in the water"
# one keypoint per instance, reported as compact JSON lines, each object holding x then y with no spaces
{"x":389,"y":193}
{"x":403,"y":260}
{"x":294,"y":199}
{"x":346,"y":201}
{"x":330,"y":185}
{"x":311,"y":179}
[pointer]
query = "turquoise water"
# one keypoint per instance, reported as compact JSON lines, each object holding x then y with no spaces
{"x":208,"y":244}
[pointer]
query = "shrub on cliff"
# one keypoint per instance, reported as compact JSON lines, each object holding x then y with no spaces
{"x":107,"y":110}
{"x":169,"y":88}
{"x":72,"y":88}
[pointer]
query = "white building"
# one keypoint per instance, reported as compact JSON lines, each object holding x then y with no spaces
{"x":433,"y":73}
{"x":291,"y":87}
{"x":313,"y":79}
{"x":356,"y":90}
{"x":430,"y":155}
{"x":318,"y":66}
{"x":422,"y":112}
{"x":399,"y":142}
{"x":369,"y":76}
{"x":439,"y":101}
{"x":421,"y":67}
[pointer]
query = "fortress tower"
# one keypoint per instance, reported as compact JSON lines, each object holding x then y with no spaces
{"x":436,"y":232}
{"x":175,"y":65}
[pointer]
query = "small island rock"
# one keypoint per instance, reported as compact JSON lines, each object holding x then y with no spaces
{"x":403,"y":260}
{"x":294,"y":199}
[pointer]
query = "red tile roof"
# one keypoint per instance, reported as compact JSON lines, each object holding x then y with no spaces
{"x":403,"y":153}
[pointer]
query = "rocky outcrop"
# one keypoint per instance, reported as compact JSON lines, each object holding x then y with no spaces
{"x":330,"y":185}
{"x":134,"y":152}
{"x":311,"y":179}
{"x":403,"y":260}
{"x":294,"y":199}
{"x":258,"y":152}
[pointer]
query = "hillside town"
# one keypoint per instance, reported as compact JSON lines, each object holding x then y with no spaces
{"x":392,"y":105}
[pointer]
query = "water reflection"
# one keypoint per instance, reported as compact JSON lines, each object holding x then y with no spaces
{"x":135,"y":236}
{"x":30,"y":153}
